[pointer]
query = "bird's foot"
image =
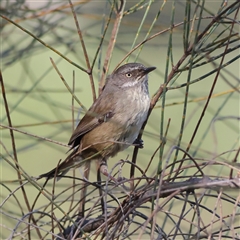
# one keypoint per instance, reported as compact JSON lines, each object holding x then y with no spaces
{"x":138,"y":143}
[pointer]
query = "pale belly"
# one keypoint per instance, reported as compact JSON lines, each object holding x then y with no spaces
{"x":134,"y":120}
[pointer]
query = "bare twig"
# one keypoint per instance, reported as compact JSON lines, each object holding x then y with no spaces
{"x":84,"y":51}
{"x":14,"y":148}
{"x":111,"y":44}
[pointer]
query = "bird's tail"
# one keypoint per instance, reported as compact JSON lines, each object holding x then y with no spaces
{"x":72,"y":160}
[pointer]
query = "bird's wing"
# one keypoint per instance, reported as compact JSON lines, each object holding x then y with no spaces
{"x":96,"y":115}
{"x":87,"y":123}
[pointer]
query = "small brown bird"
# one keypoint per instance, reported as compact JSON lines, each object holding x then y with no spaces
{"x":113,"y":122}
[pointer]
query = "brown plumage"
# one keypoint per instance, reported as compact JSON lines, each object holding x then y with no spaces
{"x":114,"y":120}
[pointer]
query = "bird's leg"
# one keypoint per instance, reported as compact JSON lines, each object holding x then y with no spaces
{"x":101,"y":191}
{"x":138,"y":143}
{"x":84,"y":189}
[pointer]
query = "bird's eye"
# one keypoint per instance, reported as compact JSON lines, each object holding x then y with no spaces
{"x":128,"y":75}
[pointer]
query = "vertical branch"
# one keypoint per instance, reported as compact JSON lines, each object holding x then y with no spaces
{"x":168,"y":59}
{"x":73,"y":127}
{"x":104,"y":31}
{"x":111,"y":44}
{"x":211,"y":90}
{"x":15,"y":151}
{"x":209,"y":96}
{"x":73,"y":90}
{"x":192,"y":57}
{"x":84,"y":51}
{"x":170,"y":76}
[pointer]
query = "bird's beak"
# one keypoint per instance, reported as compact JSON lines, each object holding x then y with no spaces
{"x":149,"y":69}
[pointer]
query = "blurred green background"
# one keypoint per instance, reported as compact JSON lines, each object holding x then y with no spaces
{"x":41,"y":105}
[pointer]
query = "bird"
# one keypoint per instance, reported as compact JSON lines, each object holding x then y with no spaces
{"x":112,"y":123}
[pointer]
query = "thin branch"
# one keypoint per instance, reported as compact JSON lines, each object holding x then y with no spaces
{"x":111,"y":44}
{"x":33,"y":135}
{"x":14,"y":148}
{"x":44,"y":44}
{"x":84,"y":51}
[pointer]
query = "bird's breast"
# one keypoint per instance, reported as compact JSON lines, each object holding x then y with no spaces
{"x":133,"y":113}
{"x":130,"y":109}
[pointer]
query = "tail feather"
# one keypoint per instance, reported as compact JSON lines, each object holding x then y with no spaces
{"x":63,"y":167}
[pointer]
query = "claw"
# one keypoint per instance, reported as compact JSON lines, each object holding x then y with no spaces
{"x":138,"y":143}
